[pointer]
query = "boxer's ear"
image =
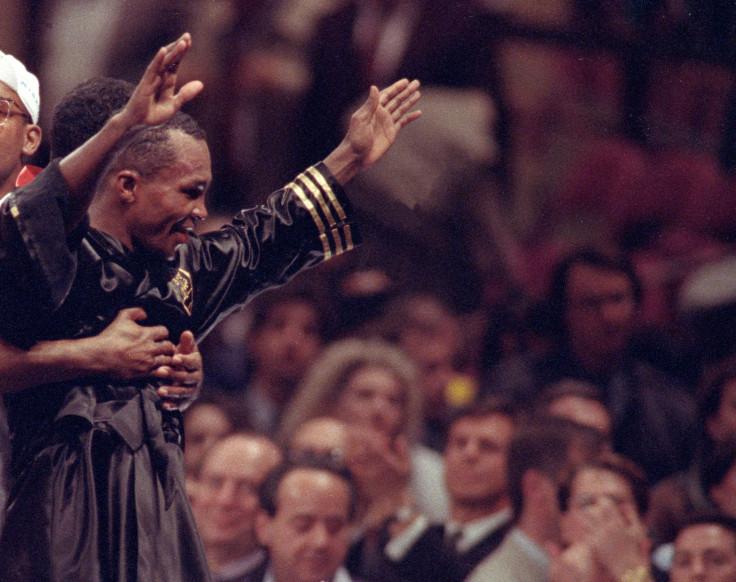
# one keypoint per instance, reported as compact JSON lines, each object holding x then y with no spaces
{"x":126,"y":185}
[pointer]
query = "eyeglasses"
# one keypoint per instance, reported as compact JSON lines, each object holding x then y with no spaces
{"x":6,"y":111}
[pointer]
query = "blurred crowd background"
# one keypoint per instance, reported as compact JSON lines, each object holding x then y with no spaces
{"x":549,"y":127}
{"x":548,"y":124}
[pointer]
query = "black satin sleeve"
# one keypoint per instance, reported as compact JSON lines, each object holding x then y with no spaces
{"x":308,"y":221}
{"x":34,"y":216}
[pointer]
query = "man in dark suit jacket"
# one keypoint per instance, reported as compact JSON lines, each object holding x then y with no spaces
{"x":475,"y":474}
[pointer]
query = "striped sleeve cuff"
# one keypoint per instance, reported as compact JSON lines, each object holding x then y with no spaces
{"x":329,"y":207}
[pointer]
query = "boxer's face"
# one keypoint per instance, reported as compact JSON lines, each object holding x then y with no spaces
{"x":169,"y":203}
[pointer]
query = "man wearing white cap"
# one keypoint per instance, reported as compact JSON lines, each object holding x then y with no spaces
{"x":20,"y":136}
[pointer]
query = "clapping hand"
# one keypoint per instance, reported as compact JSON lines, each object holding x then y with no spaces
{"x":183,"y":376}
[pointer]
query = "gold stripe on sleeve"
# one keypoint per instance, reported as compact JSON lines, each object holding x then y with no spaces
{"x":315,"y":217}
{"x":325,"y":245}
{"x":320,"y":179}
{"x":317,"y":193}
{"x":349,"y":244}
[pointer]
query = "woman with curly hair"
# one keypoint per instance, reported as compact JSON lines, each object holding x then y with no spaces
{"x":371,"y":386}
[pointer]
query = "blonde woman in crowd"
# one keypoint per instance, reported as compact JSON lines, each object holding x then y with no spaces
{"x":371,"y":386}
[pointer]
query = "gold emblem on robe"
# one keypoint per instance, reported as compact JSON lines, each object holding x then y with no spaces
{"x":182,"y":286}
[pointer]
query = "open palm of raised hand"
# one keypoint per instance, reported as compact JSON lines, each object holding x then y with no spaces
{"x":375,"y":125}
{"x":155,"y":98}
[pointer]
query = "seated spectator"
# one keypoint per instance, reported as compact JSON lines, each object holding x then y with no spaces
{"x":361,"y":293}
{"x":717,"y":484}
{"x":286,"y":333}
{"x":686,"y":492}
{"x":206,"y":421}
{"x":578,"y":401}
{"x":542,"y":452}
{"x":225,"y":509}
{"x":719,"y":478}
{"x":371,"y":386}
{"x":705,"y":550}
{"x":306,"y":508}
{"x":333,"y":440}
{"x":602,"y":504}
{"x":480,"y":513}
{"x":595,"y":297}
{"x":431,"y":335}
{"x":323,"y":436}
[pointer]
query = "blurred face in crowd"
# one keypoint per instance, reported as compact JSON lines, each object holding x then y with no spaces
{"x":287,"y":342}
{"x":374,"y":398}
{"x":227,"y":500}
{"x":204,"y":425}
{"x":585,"y":411}
{"x":308,"y":537}
{"x":475,"y":460}
{"x":722,"y":425}
{"x":704,"y":553}
{"x":599,"y":315}
{"x":322,"y":437}
{"x":18,"y":138}
{"x":591,"y":490}
{"x":432,"y":339}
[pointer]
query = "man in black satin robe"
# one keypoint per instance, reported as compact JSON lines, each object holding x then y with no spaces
{"x":98,"y":487}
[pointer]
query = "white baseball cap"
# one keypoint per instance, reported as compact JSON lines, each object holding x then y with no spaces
{"x":15,"y":75}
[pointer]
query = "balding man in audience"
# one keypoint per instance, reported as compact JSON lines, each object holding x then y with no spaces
{"x":227,"y":503}
{"x":304,"y":522}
